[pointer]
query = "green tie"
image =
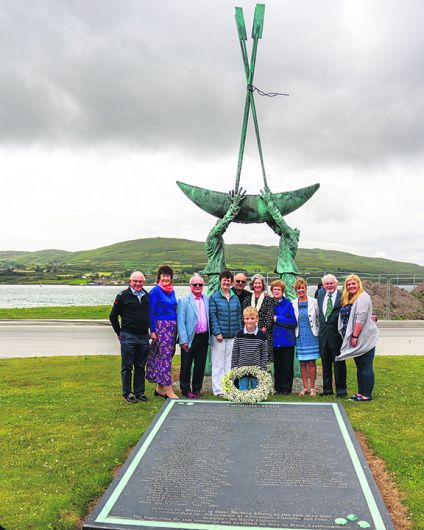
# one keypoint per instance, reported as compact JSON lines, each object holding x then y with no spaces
{"x":329,"y":307}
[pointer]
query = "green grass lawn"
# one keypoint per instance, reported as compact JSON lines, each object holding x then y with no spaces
{"x":62,"y":312}
{"x":64,"y":428}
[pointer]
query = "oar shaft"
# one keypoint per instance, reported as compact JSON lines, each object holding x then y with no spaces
{"x":249,"y":73}
{"x":254,"y":115}
{"x":246,"y":113}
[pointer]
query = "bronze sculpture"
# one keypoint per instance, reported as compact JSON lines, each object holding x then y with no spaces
{"x":238,"y":207}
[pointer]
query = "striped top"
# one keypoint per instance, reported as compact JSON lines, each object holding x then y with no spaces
{"x":250,"y":349}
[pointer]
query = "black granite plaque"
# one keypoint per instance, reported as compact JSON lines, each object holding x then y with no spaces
{"x":206,"y":465}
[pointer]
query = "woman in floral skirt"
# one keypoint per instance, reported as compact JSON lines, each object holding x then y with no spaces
{"x":163,"y":327}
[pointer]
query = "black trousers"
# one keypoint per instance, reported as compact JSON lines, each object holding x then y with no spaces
{"x":197,"y":353}
{"x":328,"y":356}
{"x":134,"y":352}
{"x":283,"y":368}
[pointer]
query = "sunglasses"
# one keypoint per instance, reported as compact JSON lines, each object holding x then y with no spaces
{"x":197,"y":284}
{"x":240,"y":281}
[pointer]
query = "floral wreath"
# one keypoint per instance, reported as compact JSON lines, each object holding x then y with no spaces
{"x":260,"y":393}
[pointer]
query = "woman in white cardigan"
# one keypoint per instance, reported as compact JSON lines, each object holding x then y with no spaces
{"x":359,"y":334}
{"x":307,"y":344}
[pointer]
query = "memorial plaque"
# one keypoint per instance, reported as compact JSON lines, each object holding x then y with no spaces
{"x":216,"y":465}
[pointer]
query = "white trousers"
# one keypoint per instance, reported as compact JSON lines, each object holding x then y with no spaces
{"x":221,"y":353}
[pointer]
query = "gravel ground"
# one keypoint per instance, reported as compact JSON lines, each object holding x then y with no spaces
{"x":207,"y":383}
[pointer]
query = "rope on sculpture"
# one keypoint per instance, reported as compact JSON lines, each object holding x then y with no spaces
{"x":253,"y":88}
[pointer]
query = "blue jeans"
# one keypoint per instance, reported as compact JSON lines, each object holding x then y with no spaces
{"x":134,"y":352}
{"x":365,"y":373}
{"x":248,"y":383}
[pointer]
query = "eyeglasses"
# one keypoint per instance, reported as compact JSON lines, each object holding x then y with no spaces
{"x":240,"y":281}
{"x":137,"y":281}
{"x":197,"y":284}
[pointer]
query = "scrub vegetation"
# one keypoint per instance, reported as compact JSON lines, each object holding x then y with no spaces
{"x":115,"y":262}
{"x":64,"y":429}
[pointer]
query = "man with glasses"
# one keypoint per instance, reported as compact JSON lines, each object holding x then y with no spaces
{"x":193,"y":333}
{"x":330,"y":340}
{"x":239,"y":287}
{"x":130,"y":320}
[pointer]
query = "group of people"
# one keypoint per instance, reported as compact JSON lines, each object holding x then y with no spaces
{"x":243,"y":328}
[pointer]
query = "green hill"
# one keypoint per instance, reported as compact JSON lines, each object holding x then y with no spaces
{"x":185,"y":255}
{"x":40,"y":257}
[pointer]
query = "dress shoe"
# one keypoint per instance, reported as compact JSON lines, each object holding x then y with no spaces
{"x":341,"y":395}
{"x":326,"y":393}
{"x":141,"y":397}
{"x":130,"y":398}
{"x":359,"y":398}
{"x":191,"y":395}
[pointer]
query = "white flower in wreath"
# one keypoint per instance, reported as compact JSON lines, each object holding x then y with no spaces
{"x":260,"y":393}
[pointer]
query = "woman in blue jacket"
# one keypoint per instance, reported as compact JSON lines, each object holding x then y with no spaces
{"x":284,"y":339}
{"x":225,"y":321}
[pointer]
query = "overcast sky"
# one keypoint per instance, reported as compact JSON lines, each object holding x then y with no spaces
{"x":105,"y":104}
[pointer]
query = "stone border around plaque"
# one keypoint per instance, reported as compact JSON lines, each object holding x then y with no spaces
{"x":241,"y":470}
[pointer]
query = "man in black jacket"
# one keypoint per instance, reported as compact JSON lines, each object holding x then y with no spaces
{"x":130,"y":320}
{"x":330,"y":340}
{"x":239,"y":287}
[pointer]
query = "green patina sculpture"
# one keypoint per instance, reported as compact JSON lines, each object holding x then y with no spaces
{"x":289,"y":238}
{"x":238,"y":207}
{"x":254,"y":209}
{"x":215,"y":242}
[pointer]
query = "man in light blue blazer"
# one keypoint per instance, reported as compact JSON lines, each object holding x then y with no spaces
{"x":193,"y":333}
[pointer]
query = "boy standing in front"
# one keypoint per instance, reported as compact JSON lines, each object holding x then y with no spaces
{"x":250,"y":348}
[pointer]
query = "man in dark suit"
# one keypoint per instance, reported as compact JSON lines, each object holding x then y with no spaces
{"x":330,"y":340}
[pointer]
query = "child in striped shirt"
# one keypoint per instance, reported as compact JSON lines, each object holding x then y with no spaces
{"x":250,"y":348}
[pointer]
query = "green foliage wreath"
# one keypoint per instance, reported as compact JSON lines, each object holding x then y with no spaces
{"x":261,"y":392}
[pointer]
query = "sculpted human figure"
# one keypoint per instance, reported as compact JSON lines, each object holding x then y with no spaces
{"x":289,"y":239}
{"x":215,"y":241}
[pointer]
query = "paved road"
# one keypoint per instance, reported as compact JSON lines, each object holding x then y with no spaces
{"x":41,"y":338}
{"x":29,"y":340}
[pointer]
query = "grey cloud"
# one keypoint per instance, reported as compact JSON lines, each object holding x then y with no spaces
{"x":169,"y":75}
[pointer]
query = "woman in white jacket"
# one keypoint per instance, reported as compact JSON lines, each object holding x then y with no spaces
{"x":359,"y":334}
{"x":307,"y":344}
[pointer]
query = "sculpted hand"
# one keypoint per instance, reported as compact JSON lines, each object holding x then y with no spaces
{"x":267,"y":196}
{"x":237,"y":196}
